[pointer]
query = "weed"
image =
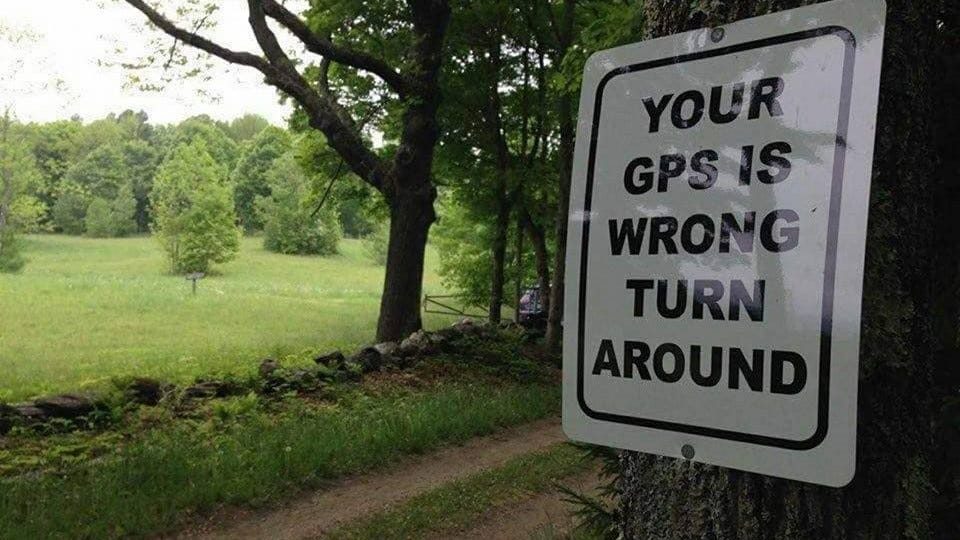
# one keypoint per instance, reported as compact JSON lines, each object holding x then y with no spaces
{"x":147,"y":486}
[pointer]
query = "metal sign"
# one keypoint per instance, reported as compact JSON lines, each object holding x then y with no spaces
{"x":716,"y":241}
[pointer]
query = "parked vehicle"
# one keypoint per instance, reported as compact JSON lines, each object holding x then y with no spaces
{"x":532,"y":309}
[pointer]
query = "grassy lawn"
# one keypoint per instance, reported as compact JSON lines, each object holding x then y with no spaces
{"x":85,"y":310}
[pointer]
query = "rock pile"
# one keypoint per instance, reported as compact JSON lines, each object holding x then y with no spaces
{"x":273,"y":377}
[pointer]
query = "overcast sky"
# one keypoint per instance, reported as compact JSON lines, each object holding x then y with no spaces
{"x":72,"y":38}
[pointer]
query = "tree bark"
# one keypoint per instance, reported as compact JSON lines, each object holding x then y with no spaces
{"x":499,"y":248}
{"x":410,"y":191}
{"x":567,"y":132}
{"x":494,"y":123}
{"x":411,"y":215}
{"x":518,"y":264}
{"x":946,"y":307}
{"x":890,"y":497}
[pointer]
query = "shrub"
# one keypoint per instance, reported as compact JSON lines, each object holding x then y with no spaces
{"x":112,"y":218}
{"x":11,"y":260}
{"x":291,"y":224}
{"x":194,"y":217}
{"x":98,"y":221}
{"x":377,"y":243}
{"x":251,"y":177}
{"x":70,"y":211}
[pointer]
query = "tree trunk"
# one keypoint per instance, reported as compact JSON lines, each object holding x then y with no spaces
{"x":411,"y":215}
{"x":890,"y":497}
{"x":518,"y":263}
{"x":567,"y":133}
{"x":501,"y":228}
{"x":539,"y":241}
{"x":946,"y":307}
{"x":555,"y":317}
{"x":410,"y":191}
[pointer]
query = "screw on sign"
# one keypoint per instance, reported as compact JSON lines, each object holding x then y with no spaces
{"x":717,"y":232}
{"x":194,"y":278}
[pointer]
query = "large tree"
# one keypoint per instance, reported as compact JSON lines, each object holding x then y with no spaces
{"x":410,"y":39}
{"x":890,"y":497}
{"x":496,"y":142}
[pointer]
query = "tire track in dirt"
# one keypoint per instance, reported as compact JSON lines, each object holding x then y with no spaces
{"x":545,"y":515}
{"x":313,"y":515}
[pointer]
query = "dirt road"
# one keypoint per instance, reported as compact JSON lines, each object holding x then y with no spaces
{"x":354,"y":497}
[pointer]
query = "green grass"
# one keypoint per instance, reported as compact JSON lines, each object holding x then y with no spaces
{"x":147,"y":486}
{"x":85,"y":310}
{"x":459,"y":504}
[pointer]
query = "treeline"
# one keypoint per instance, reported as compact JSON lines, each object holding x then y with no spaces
{"x":197,"y":185}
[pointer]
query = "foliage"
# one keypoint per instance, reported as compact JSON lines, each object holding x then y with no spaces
{"x":114,"y":218}
{"x":598,"y":514}
{"x":140,"y":159}
{"x":360,"y":207}
{"x":250,"y":175}
{"x":26,"y":214}
{"x":377,"y":242}
{"x":246,"y":127}
{"x":217,"y":143}
{"x":192,"y":466}
{"x":463,"y":240}
{"x":18,"y":175}
{"x":292,"y":223}
{"x":356,"y":221}
{"x":11,"y":258}
{"x":70,"y":211}
{"x":98,"y":221}
{"x":193,"y":210}
{"x":100,"y":174}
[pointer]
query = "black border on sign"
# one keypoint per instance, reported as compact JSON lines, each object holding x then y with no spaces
{"x":829,"y":277}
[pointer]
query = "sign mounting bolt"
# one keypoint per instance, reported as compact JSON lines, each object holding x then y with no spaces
{"x":716,"y":35}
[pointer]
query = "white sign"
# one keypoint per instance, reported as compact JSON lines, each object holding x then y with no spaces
{"x":716,"y":240}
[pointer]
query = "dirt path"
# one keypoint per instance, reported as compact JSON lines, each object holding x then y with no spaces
{"x":545,"y":515}
{"x":312,"y":516}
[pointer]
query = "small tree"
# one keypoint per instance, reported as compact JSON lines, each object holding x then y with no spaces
{"x":292,"y":223}
{"x":98,"y":222}
{"x":70,"y":210}
{"x":18,"y":173}
{"x":250,"y":175}
{"x":377,"y":242}
{"x":112,"y":218}
{"x":193,"y":210}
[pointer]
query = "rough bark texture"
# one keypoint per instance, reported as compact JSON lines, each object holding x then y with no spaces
{"x":890,"y":497}
{"x":946,"y":306}
{"x":410,"y":191}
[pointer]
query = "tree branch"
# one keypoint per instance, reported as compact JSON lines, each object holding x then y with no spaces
{"x":199,"y":42}
{"x":280,"y":72}
{"x":325,"y":115}
{"x":321,"y":45}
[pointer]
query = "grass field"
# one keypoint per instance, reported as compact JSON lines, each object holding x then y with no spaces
{"x":85,"y":310}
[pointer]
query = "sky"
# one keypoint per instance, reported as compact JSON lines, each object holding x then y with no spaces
{"x":68,"y":65}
